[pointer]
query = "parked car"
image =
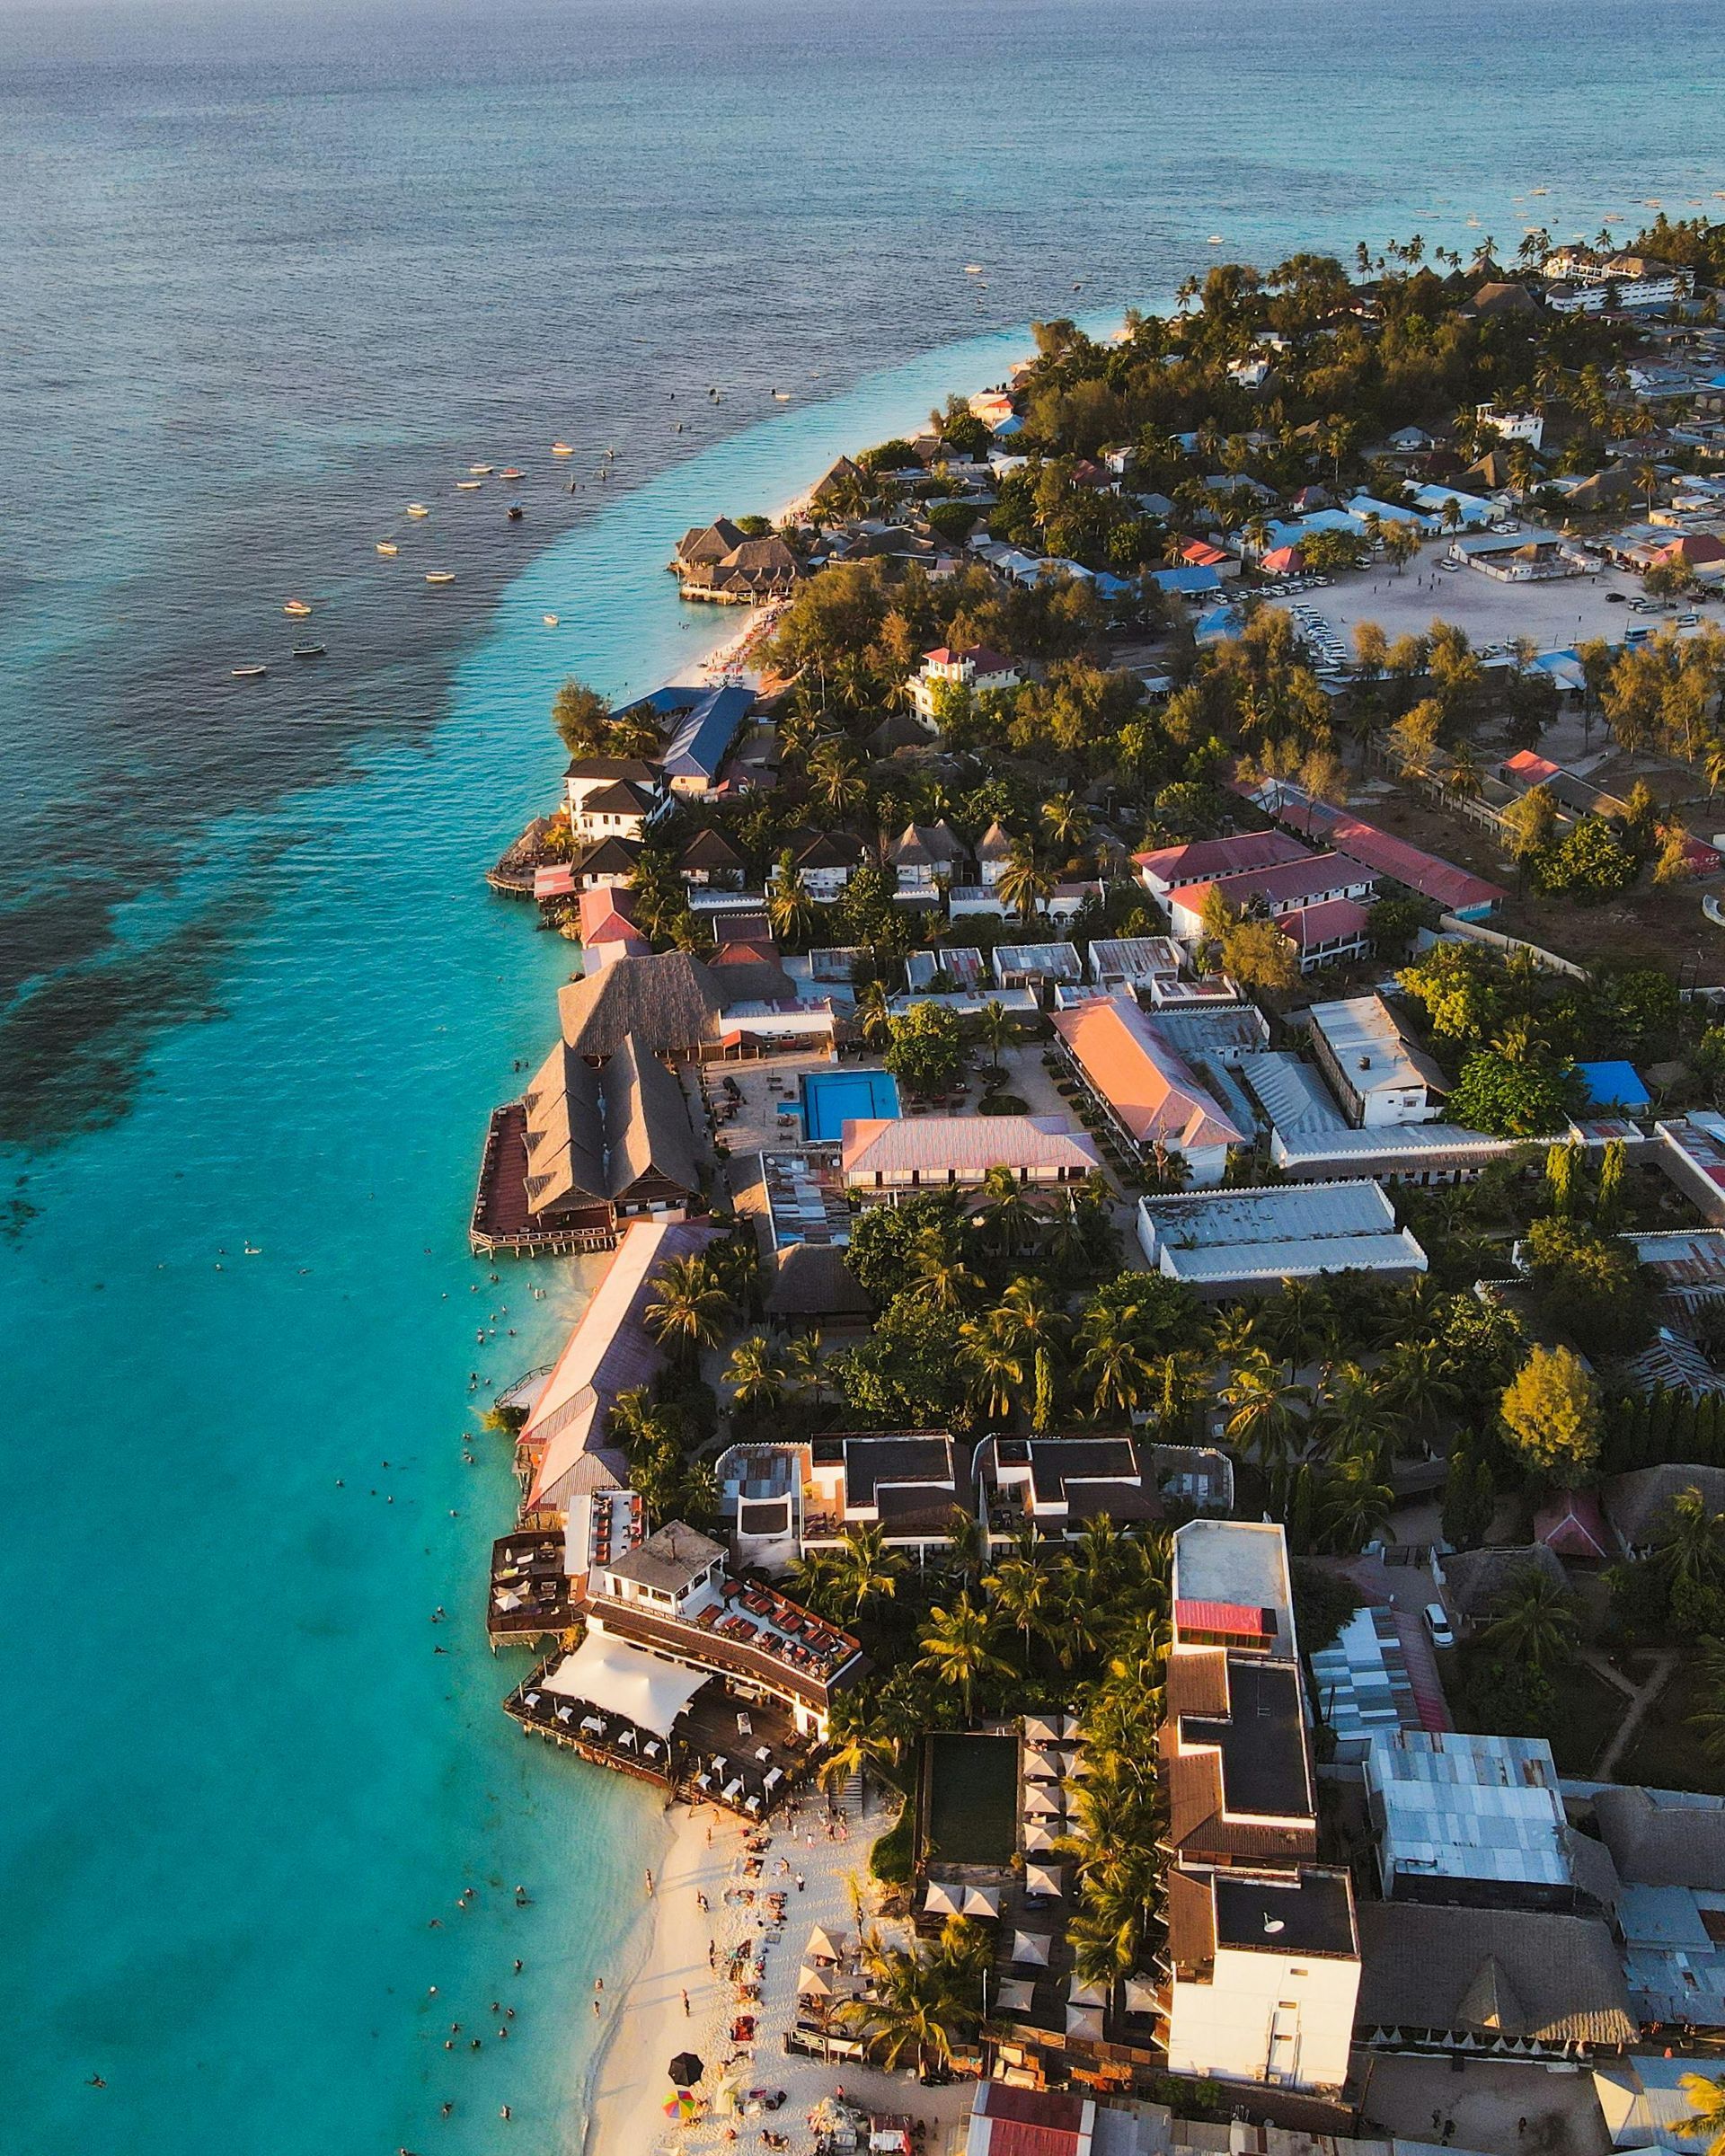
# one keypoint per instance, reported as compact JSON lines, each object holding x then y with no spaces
{"x":1616,"y":598}
{"x":1437,"y":1625}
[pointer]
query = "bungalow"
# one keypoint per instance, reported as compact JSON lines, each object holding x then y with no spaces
{"x":609,"y":930}
{"x":1329,"y":933}
{"x":1146,"y":1089}
{"x":607,"y":865}
{"x":1200,"y":553}
{"x":710,"y":858}
{"x":826,"y":860}
{"x":1308,"y":881}
{"x":613,"y":795}
{"x":1190,"y":581}
{"x":975,"y":667}
{"x":925,"y":857}
{"x":1513,"y":560}
{"x":1037,"y":965}
{"x":885,"y":1160}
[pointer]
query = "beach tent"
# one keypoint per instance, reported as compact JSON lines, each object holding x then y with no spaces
{"x":982,"y":1901}
{"x":1031,"y":1948}
{"x":1017,"y":1994}
{"x":1043,"y":1878}
{"x":941,"y":1900}
{"x":621,"y":1680}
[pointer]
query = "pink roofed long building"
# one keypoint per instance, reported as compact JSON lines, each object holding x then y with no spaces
{"x":887,"y":1160}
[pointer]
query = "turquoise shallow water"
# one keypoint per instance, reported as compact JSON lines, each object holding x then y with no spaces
{"x":250,"y":295}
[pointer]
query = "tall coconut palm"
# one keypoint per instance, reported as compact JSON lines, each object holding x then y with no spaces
{"x":1009,"y":1220}
{"x":1708,"y":1720}
{"x":755,"y":1373}
{"x":791,"y":907}
{"x":803,"y":1367}
{"x":994,"y":1363}
{"x":875,"y":1013}
{"x":1690,"y":1550}
{"x":836,"y":774}
{"x":1355,"y":1502}
{"x":1038,"y":1325}
{"x":958,"y":1647}
{"x":1026,"y":881}
{"x":1066,"y":820}
{"x":856,"y":1744}
{"x":1022,"y":1595}
{"x":1534,"y":1622}
{"x":939,"y":1271}
{"x":865,"y":1570}
{"x":1115,"y":1360}
{"x":1266,"y":1410}
{"x":995,"y":1026}
{"x":918,"y":2007}
{"x":690,"y":1311}
{"x":1706,"y":2121}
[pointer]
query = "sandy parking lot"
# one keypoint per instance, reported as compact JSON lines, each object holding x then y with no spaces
{"x":1566,"y":611}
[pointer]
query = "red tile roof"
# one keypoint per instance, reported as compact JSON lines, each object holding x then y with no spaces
{"x":1149,"y":1087}
{"x":1330,"y":921}
{"x":1239,"y":1617}
{"x":1429,"y":874}
{"x":1314,"y":876}
{"x":1201,"y":859}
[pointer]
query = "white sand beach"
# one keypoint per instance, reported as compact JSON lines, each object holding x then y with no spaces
{"x":627,"y":2116}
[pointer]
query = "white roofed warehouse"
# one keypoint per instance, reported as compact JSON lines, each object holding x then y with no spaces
{"x":1241,"y":1241}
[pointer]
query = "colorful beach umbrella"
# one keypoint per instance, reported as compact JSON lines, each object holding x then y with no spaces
{"x":680,"y":2105}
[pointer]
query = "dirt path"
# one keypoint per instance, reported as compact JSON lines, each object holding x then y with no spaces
{"x":1640,"y":1699}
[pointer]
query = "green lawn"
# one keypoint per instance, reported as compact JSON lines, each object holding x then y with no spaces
{"x":972,"y":1814}
{"x":1666,"y":1753}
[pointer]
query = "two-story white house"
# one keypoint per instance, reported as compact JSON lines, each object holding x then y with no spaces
{"x":975,"y":668}
{"x":612,"y":797}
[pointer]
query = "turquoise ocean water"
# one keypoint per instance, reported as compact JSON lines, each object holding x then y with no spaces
{"x":266,"y":279}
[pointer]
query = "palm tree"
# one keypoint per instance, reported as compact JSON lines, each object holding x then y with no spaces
{"x":995,"y":1026}
{"x":1706,"y":2122}
{"x":1009,"y":1220}
{"x":1708,"y":1720}
{"x":1534,"y":1622}
{"x":755,"y":1373}
{"x":989,"y":1348}
{"x":1038,"y":1325}
{"x":866,"y":1569}
{"x":918,"y":2007}
{"x":803,"y":1366}
{"x":1025,"y":882}
{"x":791,"y":907}
{"x":836,"y":776}
{"x":958,"y":1647}
{"x":1647,"y":478}
{"x":1418,"y":1380}
{"x":1264,"y":1406}
{"x":690,"y":1311}
{"x":1355,"y":1501}
{"x":857,"y":1745}
{"x":941,"y":1273}
{"x":875,"y":1013}
{"x":1692,"y":1547}
{"x":1021,"y":1593}
{"x":1066,"y":820}
{"x":1114,"y":1356}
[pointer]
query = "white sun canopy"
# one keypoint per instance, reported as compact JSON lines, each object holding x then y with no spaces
{"x":619,"y":1679}
{"x":1031,"y":1948}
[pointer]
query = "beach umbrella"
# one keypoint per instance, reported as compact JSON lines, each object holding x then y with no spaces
{"x":1016,"y":1995}
{"x":824,"y":1945}
{"x":1086,"y":1995}
{"x":1085,"y":2021}
{"x":680,"y":2105}
{"x":1043,"y":1878}
{"x":1040,"y":1728}
{"x":941,"y":1900}
{"x":1140,"y":1995}
{"x":1040,"y":1765}
{"x":1037,"y":1835}
{"x":982,"y":1901}
{"x":686,"y":2070}
{"x":812,"y":1984}
{"x":1031,"y":1948}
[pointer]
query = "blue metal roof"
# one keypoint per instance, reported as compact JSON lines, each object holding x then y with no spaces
{"x":1612,"y":1085}
{"x":709,"y":726}
{"x":1188,"y":579}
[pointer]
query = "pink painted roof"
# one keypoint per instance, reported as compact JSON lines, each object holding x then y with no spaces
{"x":1427,"y":873}
{"x":1220,"y":1617}
{"x":967,"y":1144}
{"x":1201,"y":859}
{"x":1314,"y":876}
{"x":1525,"y":764}
{"x":607,"y":914}
{"x":1307,"y":926}
{"x":1573,"y":1525}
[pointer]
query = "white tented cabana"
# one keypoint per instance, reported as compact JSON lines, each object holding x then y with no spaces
{"x":1031,"y":1948}
{"x":621,"y":1680}
{"x":1042,"y":1728}
{"x":1037,"y":1835}
{"x":1085,"y":2021}
{"x":824,"y":1946}
{"x":1041,"y":1765}
{"x":1141,"y":1995}
{"x":941,"y":1900}
{"x":1043,"y":1800}
{"x":1016,"y":1994}
{"x":1044,"y":1879}
{"x":982,"y":1901}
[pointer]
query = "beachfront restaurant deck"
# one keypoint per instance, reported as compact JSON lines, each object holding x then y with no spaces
{"x":529,"y":1588}
{"x":663,"y":1723}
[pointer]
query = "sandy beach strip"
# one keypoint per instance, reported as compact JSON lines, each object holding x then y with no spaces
{"x":626,"y":2117}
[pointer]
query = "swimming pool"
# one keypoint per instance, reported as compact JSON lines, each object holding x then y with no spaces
{"x":832,"y":1099}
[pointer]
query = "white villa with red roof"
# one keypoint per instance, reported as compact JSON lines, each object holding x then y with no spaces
{"x":974,"y":669}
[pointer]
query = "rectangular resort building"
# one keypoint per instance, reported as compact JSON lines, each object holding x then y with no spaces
{"x":1241,"y":1241}
{"x":1376,"y":1071}
{"x":1315,"y":880}
{"x":1147,"y":1091}
{"x":884,"y":1160}
{"x":1262,"y":1967}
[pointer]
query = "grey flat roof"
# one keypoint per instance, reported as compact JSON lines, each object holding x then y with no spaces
{"x":1397,"y":1252}
{"x":1269,"y":1213}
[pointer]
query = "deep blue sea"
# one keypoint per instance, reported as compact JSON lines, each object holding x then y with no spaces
{"x":265,"y":276}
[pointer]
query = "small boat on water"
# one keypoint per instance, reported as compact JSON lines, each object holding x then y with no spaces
{"x":482,"y":471}
{"x":467,"y":486}
{"x":308,"y":651}
{"x":973,"y":268}
{"x":386,"y":546}
{"x":516,"y":512}
{"x":417,"y":509}
{"x":440,"y":576}
{"x":510,"y":473}
{"x":550,"y":620}
{"x":561,"y":449}
{"x":249,"y":672}
{"x":782,"y":396}
{"x":297,"y":609}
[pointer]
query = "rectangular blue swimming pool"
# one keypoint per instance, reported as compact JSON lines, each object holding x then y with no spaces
{"x":832,"y":1099}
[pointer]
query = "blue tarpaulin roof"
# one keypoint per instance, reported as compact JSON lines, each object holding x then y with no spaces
{"x":1189,"y":581}
{"x":1612,"y":1085}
